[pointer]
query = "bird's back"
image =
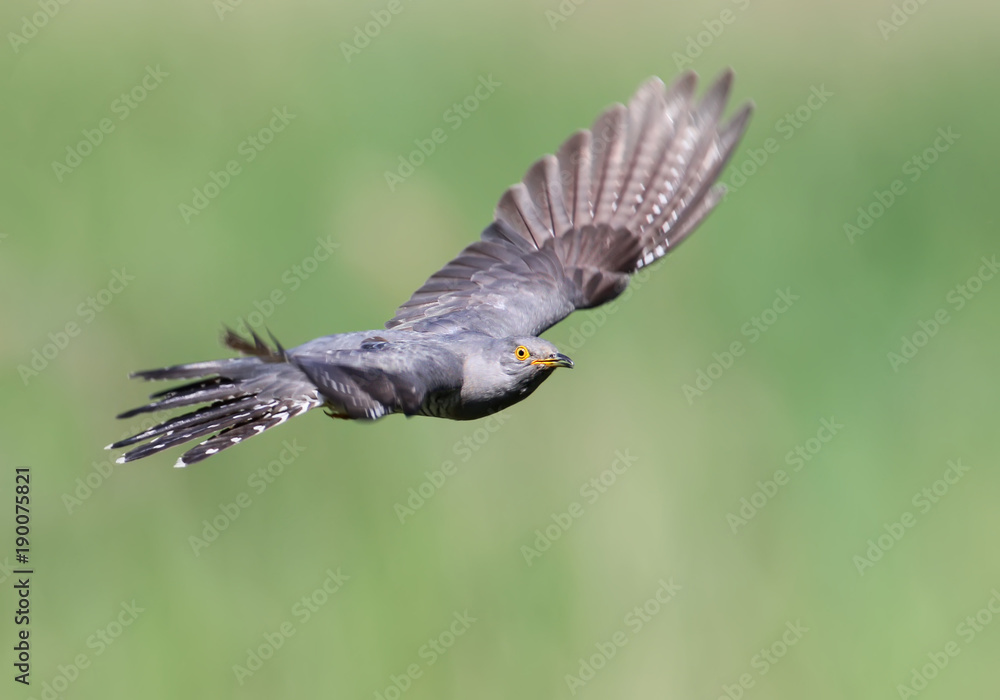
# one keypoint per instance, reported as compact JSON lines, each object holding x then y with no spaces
{"x":404,"y":371}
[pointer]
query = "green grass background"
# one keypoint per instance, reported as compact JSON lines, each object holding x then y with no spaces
{"x":665,"y":517}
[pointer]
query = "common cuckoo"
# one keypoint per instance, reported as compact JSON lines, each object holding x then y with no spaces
{"x":568,"y":236}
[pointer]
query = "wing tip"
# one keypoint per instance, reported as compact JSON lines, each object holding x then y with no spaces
{"x":743,"y":114}
{"x":648,"y":88}
{"x":684,"y":85}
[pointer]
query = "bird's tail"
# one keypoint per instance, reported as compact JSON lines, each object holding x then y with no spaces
{"x":245,"y":396}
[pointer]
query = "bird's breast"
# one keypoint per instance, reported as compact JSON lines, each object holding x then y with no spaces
{"x":440,"y":404}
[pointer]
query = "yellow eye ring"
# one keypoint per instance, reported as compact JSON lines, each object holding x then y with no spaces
{"x":521,"y":352}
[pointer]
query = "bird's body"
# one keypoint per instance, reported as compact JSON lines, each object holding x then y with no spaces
{"x":443,"y":375}
{"x":614,"y":199}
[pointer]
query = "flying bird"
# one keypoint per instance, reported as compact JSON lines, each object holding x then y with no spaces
{"x":614,"y":199}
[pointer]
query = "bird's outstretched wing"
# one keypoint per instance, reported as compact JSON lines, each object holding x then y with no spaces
{"x":615,"y":198}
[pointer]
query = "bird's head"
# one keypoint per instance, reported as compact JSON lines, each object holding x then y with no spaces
{"x":529,"y":357}
{"x":506,"y":370}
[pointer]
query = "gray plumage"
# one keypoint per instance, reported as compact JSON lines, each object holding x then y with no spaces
{"x":614,"y":198}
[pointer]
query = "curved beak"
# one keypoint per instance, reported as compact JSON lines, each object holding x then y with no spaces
{"x":557,"y":360}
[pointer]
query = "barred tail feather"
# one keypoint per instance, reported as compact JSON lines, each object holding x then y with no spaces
{"x":245,"y":397}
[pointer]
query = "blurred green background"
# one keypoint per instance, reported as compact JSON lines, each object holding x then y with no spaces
{"x":789,"y":594}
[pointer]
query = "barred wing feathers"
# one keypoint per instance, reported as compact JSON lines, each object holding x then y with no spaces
{"x":615,"y":198}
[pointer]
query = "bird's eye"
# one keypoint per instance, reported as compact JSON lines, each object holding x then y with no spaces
{"x":521,"y":352}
